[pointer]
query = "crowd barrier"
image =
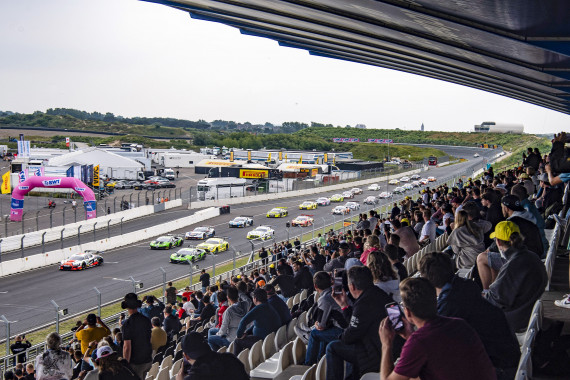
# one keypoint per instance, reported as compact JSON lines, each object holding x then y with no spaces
{"x":54,"y":257}
{"x":32,"y":239}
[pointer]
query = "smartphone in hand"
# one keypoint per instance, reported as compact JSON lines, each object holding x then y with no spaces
{"x":395,"y":315}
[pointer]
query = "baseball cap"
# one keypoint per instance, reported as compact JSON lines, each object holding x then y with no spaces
{"x":194,"y":345}
{"x":504,"y":230}
{"x":272,"y":266}
{"x":512,"y":202}
{"x":104,"y":351}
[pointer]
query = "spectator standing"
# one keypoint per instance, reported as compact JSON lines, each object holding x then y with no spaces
{"x":359,"y":344}
{"x":285,"y":282}
{"x":440,"y":348}
{"x":205,"y":280}
{"x":170,"y":294}
{"x":89,"y":331}
{"x":54,"y":363}
{"x":137,"y":349}
{"x":151,"y":309}
{"x":264,"y":318}
{"x":19,"y":348}
{"x":395,"y":211}
{"x":303,"y":278}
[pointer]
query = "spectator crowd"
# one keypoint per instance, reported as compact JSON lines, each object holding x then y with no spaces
{"x":457,"y":319}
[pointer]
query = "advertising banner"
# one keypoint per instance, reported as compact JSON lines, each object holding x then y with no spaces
{"x":6,"y":186}
{"x":245,"y":173}
{"x":96,"y":176}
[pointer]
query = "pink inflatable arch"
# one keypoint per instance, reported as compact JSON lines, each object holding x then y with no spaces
{"x":17,"y":206}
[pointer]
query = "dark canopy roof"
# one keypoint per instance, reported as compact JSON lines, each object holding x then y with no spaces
{"x":519,"y":49}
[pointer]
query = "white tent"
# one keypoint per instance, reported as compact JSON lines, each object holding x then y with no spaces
{"x":110,"y":164}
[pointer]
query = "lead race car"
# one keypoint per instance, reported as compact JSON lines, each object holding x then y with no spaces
{"x":200,"y":233}
{"x":81,"y":261}
{"x":188,"y":255}
{"x":166,"y":242}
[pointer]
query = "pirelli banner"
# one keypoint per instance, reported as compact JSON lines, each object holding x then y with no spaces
{"x":252,"y":173}
{"x":96,"y":176}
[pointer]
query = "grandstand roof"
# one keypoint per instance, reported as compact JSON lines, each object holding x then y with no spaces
{"x":519,"y":49}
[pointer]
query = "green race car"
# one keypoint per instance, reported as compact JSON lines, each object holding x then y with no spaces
{"x":166,"y":242}
{"x":214,"y":245}
{"x":277,"y":212}
{"x":187,"y":256}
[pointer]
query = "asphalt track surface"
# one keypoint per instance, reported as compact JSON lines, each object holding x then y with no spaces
{"x":25,"y":298}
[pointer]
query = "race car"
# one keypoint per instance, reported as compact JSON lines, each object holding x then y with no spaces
{"x":432,"y":179}
{"x":374,"y":187}
{"x":261,"y":232}
{"x":408,"y":186}
{"x":476,"y":155}
{"x":405,"y":179}
{"x":416,"y":184}
{"x":416,"y":176}
{"x":82,"y":261}
{"x":424,"y":181}
{"x":394,"y":182}
{"x":277,"y":212}
{"x":187,"y":256}
{"x":385,"y":194}
{"x":241,"y":221}
{"x":214,"y":245}
{"x":352,"y":205}
{"x":371,"y":200}
{"x":302,"y":221}
{"x":323,"y":201}
{"x":308,"y":205}
{"x":356,"y":190}
{"x":399,"y":190}
{"x":166,"y":242}
{"x":348,"y":194}
{"x":200,"y":233}
{"x":337,"y":198}
{"x":340,"y":210}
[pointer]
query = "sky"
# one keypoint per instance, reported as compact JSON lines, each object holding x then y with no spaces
{"x":134,"y":58}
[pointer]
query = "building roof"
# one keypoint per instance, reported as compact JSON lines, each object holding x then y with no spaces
{"x":519,"y":49}
{"x":94,"y":156}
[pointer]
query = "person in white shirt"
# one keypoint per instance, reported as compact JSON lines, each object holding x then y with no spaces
{"x":428,"y":230}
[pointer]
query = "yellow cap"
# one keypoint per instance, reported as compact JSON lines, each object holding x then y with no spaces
{"x":272,"y":266}
{"x":405,"y":220}
{"x":504,"y":230}
{"x":469,"y":179}
{"x":238,"y":276}
{"x":407,"y":197}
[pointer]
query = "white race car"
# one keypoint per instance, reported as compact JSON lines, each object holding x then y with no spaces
{"x":408,"y":186}
{"x":356,"y":190}
{"x":385,"y":194}
{"x":348,"y":194}
{"x":476,"y":155}
{"x":374,"y":187}
{"x":200,"y":233}
{"x":405,"y":179}
{"x":424,"y":181}
{"x":340,"y":210}
{"x":416,"y":176}
{"x":261,"y":233}
{"x":399,"y":190}
{"x":371,"y":200}
{"x":394,"y":182}
{"x":416,"y":184}
{"x":352,"y":205}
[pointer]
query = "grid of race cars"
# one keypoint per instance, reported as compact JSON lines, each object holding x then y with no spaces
{"x":213,"y":245}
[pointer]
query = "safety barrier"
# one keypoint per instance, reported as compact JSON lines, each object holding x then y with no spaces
{"x":54,"y":257}
{"x":36,"y":238}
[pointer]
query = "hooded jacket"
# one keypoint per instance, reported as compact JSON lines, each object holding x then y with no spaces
{"x":214,"y":366}
{"x":520,"y":282}
{"x":466,"y":246}
{"x":231,"y":319}
{"x":364,"y":319}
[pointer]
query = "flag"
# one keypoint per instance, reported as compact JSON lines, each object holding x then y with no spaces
{"x":6,"y":187}
{"x":67,"y":141}
{"x":96,"y":176}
